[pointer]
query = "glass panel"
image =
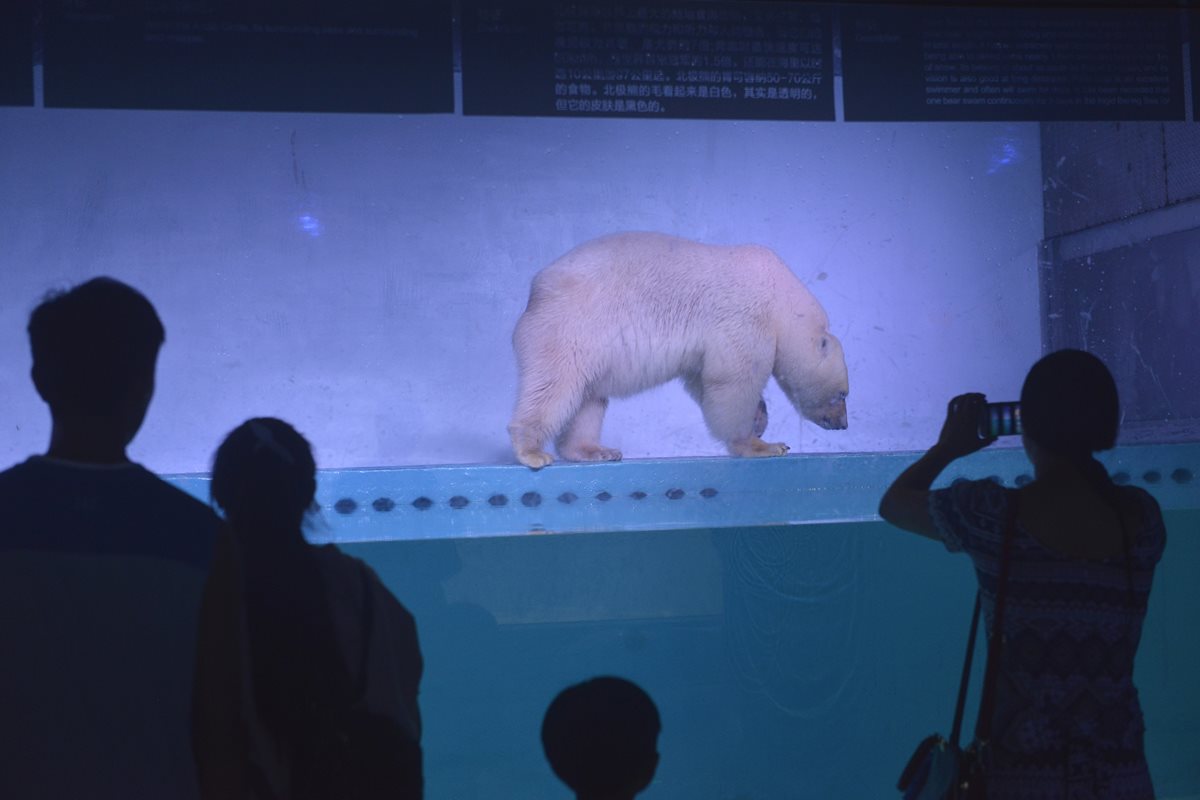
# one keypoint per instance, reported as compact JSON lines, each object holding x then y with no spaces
{"x":361,"y":275}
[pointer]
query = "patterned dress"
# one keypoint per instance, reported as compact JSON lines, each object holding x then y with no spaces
{"x":1067,"y":721}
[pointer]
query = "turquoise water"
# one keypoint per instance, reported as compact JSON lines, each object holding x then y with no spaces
{"x":789,"y":660}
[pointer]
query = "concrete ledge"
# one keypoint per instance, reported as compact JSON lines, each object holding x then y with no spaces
{"x":398,"y":503}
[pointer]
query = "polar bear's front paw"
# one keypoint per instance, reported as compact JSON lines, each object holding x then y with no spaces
{"x":757,"y":448}
{"x":535,"y":459}
{"x":590,"y":452}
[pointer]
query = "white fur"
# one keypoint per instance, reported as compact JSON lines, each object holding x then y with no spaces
{"x":626,"y":312}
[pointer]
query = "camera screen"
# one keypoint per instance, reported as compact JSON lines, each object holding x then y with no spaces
{"x":1000,"y":419}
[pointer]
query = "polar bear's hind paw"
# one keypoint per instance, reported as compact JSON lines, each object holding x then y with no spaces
{"x":535,"y":459}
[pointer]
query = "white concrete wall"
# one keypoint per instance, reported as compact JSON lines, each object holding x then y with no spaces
{"x":360,"y":276}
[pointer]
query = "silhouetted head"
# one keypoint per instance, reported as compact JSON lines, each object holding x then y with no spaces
{"x":264,"y":477}
{"x":1069,"y":405}
{"x":94,"y":349}
{"x":601,"y":738}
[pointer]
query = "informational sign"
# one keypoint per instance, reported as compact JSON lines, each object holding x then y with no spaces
{"x":697,"y":60}
{"x":250,"y":55}
{"x":16,"y":53}
{"x":1194,"y":26}
{"x":937,"y":63}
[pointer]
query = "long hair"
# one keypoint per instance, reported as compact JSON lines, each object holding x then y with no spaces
{"x":264,"y":479}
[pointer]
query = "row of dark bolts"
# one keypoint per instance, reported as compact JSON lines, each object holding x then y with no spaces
{"x":530,"y":500}
{"x":534,"y":499}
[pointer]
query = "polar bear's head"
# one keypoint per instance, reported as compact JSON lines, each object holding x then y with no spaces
{"x":818,"y":383}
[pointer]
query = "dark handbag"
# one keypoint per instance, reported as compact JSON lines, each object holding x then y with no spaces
{"x":939,"y":769}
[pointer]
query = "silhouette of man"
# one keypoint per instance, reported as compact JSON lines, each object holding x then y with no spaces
{"x":601,"y":738}
{"x":101,"y":569}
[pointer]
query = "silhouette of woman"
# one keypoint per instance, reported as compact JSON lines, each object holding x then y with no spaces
{"x":292,"y":635}
{"x":1066,"y":719}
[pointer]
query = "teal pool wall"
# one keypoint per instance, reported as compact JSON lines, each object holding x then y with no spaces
{"x":796,"y":646}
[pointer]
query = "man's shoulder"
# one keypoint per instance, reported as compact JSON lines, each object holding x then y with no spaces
{"x":166,"y":493}
{"x":126,"y":509}
{"x":17,"y":474}
{"x":193,"y":523}
{"x":130,"y":483}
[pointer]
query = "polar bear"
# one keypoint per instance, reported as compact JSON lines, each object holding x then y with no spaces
{"x":629,"y":311}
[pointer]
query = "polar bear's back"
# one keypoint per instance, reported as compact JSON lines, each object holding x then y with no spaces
{"x":632,"y":310}
{"x":656,"y":276}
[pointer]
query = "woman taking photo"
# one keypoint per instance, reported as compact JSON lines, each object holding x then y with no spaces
{"x":1066,"y":721}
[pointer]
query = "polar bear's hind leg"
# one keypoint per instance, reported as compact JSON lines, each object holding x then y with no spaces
{"x":543,"y":409}
{"x":527,"y":445}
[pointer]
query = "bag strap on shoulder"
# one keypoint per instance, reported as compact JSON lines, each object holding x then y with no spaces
{"x":956,"y":728}
{"x":987,"y":702}
{"x":984,"y":722}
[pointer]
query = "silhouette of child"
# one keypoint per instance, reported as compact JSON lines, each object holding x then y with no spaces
{"x":601,"y":738}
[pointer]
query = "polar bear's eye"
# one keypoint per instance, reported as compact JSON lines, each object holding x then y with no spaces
{"x":824,"y":342}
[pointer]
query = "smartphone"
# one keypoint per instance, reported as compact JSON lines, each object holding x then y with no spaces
{"x":1000,"y":419}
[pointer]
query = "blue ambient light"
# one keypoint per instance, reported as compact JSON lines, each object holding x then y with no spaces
{"x":310,"y":225}
{"x":1005,"y":154}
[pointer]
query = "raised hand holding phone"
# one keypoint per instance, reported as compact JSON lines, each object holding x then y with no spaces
{"x":960,"y":432}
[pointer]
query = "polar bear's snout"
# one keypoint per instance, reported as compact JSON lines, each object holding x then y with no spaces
{"x":833,"y":418}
